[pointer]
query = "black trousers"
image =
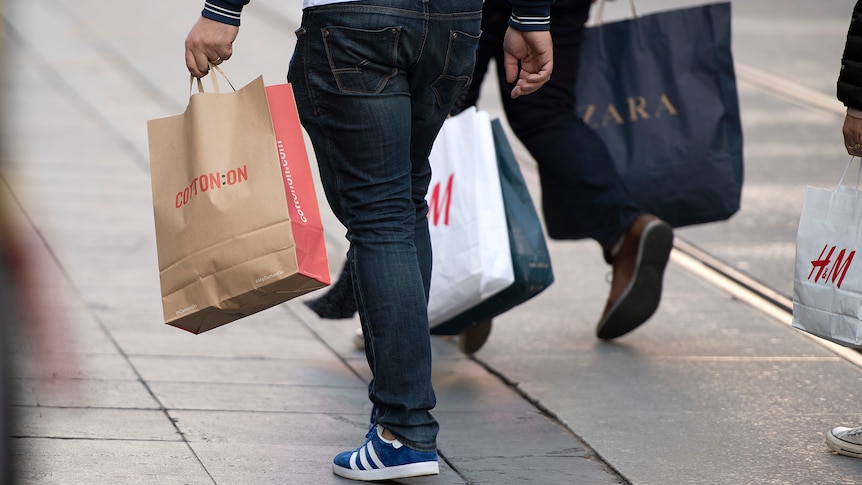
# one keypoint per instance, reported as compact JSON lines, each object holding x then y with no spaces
{"x":582,"y":193}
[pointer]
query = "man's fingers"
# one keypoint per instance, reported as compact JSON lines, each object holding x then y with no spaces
{"x":524,"y":88}
{"x":530,"y":82}
{"x":197,"y":64}
{"x":540,"y":77}
{"x":219,"y":56}
{"x":512,"y":67}
{"x":208,"y":42}
{"x":528,"y":59}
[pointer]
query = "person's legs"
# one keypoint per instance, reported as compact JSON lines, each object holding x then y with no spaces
{"x":374,"y":81}
{"x":583,"y":196}
{"x":358,"y":121}
{"x":337,"y":301}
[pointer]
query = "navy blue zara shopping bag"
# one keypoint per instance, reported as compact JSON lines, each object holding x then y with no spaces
{"x":660,"y":91}
{"x":531,"y":260}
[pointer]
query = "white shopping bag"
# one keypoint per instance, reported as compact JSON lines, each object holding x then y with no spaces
{"x":467,"y":220}
{"x":827,"y":283}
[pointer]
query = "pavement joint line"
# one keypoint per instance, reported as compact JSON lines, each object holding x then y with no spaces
{"x":94,"y":439}
{"x":75,"y":292}
{"x":550,"y":414}
{"x":308,"y":326}
{"x":756,"y":300}
{"x":162,"y":409}
{"x":742,"y":358}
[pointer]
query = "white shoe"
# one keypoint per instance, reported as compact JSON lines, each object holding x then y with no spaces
{"x":845,"y":441}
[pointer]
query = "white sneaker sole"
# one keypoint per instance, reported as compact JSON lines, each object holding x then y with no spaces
{"x":389,"y":473}
{"x":840,"y":446}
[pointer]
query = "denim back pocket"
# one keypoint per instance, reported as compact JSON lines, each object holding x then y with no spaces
{"x":458,"y":71}
{"x":362,"y":61}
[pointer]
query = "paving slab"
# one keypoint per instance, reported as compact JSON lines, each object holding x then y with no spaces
{"x":707,"y":382}
{"x":109,"y":461}
{"x":82,"y":393}
{"x":229,"y":370}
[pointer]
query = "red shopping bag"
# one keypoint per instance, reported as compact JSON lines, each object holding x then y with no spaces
{"x":298,"y":184}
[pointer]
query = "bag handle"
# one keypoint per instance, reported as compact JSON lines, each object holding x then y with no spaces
{"x":602,"y":8}
{"x":846,"y":169}
{"x":213,"y":69}
{"x":597,"y":22}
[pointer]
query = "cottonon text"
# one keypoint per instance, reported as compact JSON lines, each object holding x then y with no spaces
{"x":289,"y":188}
{"x":210,"y":181}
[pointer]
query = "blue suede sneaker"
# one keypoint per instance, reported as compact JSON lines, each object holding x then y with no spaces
{"x":381,"y":459}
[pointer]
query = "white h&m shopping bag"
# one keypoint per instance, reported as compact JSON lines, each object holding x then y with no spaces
{"x":467,"y":220}
{"x":827,"y":283}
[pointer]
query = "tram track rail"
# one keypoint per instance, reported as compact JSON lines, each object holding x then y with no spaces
{"x":748,"y":290}
{"x":725,"y":276}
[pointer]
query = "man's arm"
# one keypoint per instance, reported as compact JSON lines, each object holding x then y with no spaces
{"x":211,"y":38}
{"x":528,"y":55}
{"x":850,"y":83}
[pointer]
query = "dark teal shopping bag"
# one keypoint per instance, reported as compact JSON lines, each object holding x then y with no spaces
{"x":660,"y":91}
{"x":531,"y":260}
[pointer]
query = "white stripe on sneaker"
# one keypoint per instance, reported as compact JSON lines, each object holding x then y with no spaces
{"x":373,"y":454}
{"x":363,"y":458}
{"x":353,"y":460}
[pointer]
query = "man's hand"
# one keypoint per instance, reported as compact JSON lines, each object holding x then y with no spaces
{"x":535,"y":52}
{"x":209,"y":42}
{"x":852,"y":131}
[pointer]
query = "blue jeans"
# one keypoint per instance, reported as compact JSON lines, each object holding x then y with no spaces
{"x":374,"y":80}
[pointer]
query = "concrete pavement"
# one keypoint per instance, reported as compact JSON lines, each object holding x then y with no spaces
{"x":715,"y":389}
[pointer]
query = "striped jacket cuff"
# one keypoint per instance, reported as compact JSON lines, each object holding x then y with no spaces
{"x":224,"y":11}
{"x":530,"y":18}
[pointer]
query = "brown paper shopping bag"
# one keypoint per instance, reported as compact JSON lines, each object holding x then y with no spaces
{"x":237,"y":223}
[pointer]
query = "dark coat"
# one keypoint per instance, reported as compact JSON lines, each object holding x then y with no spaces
{"x":850,"y":78}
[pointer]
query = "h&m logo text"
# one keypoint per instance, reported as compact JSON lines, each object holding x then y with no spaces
{"x":440,"y":200}
{"x":636,"y":108}
{"x":829,"y":270}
